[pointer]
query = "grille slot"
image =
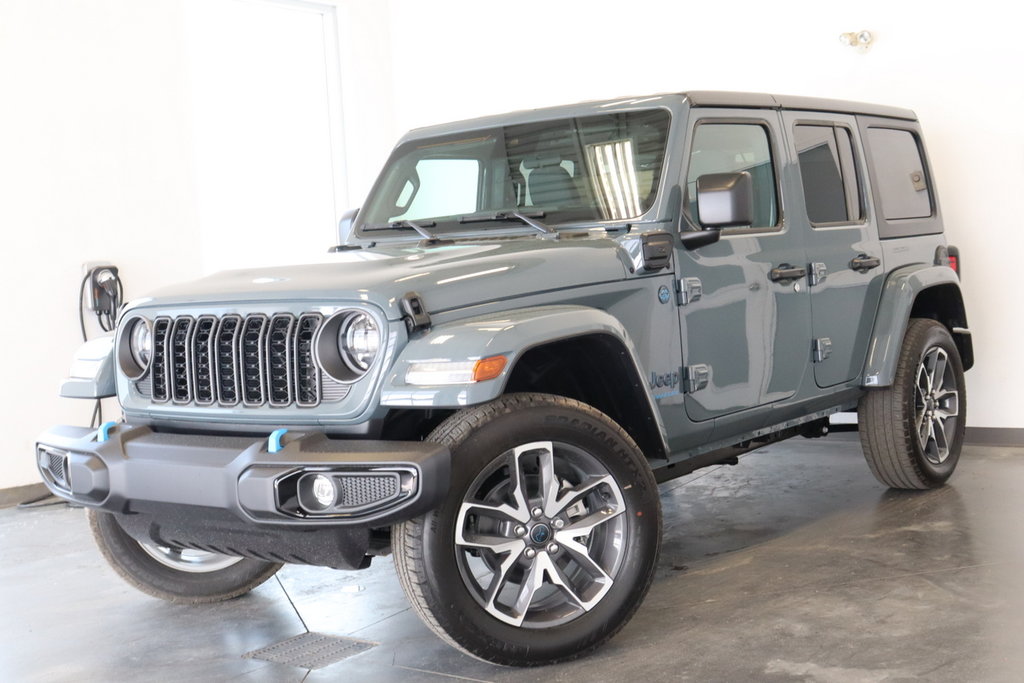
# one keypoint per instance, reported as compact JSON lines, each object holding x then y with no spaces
{"x":254,"y":360}
{"x":161,"y":392}
{"x":307,"y":374}
{"x":202,"y":360}
{"x":250,"y":353}
{"x":179,"y":345}
{"x":279,"y":360}
{"x":226,"y":343}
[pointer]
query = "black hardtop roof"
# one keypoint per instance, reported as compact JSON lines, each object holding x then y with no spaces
{"x":752,"y":100}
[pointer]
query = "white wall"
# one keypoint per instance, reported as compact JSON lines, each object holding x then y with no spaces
{"x":93,"y":166}
{"x":96,"y":149}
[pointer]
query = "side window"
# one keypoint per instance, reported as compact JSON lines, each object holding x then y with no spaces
{"x":731,"y":148}
{"x":825,"y":156}
{"x":440,"y":187}
{"x":899,"y":174}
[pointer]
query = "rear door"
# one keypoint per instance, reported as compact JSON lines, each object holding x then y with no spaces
{"x":843,"y":252}
{"x":748,"y":331}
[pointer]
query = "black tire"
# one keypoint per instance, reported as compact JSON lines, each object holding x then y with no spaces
{"x":434,"y":554}
{"x":912,"y":432}
{"x":161,"y":580}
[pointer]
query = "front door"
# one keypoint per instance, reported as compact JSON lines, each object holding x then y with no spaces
{"x":748,"y":332}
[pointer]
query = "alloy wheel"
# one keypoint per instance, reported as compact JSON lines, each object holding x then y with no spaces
{"x":541,"y":534}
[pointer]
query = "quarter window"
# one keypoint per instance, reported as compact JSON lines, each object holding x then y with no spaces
{"x":899,"y":174}
{"x":825,"y":156}
{"x":732,"y":148}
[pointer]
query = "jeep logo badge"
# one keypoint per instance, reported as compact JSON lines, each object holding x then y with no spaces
{"x":669,"y":379}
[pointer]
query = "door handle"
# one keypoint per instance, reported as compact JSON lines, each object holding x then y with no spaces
{"x":786,"y":272}
{"x":864,"y":263}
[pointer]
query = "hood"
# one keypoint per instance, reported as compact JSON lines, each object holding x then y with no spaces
{"x":446,"y":276}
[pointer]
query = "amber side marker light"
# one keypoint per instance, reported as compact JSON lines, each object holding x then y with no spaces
{"x":488,"y":368}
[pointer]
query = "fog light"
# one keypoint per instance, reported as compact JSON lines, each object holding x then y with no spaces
{"x":323,"y":491}
{"x":317,"y":492}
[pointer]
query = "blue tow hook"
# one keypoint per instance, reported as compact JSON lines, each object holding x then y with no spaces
{"x":103,"y":433}
{"x":274,"y":441}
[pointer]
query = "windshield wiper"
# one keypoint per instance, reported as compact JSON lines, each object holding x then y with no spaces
{"x":418,"y":226}
{"x":524,"y":218}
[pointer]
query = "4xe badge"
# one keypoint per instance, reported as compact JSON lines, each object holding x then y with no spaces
{"x":667,"y":380}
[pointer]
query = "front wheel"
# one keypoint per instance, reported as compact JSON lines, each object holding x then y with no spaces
{"x":175,"y":574}
{"x":548,"y":540}
{"x":912,"y":432}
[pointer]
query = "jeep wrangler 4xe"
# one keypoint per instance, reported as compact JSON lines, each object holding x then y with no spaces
{"x":532,"y":320}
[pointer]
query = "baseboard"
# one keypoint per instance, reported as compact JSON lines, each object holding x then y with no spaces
{"x":19,"y":494}
{"x":994,"y":436}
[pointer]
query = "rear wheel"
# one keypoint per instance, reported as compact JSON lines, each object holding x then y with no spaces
{"x":912,"y":432}
{"x":176,"y":574}
{"x":547,"y":542}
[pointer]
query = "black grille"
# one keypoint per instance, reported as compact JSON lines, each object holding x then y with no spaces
{"x":363,"y":490}
{"x":253,"y":360}
{"x":56,"y":463}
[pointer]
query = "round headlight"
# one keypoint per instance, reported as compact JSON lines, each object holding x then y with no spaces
{"x":140,"y":342}
{"x":359,"y":341}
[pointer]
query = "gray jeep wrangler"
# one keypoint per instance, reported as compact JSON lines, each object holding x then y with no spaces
{"x":533,"y":320}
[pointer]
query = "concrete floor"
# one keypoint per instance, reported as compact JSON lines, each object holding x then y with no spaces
{"x":794,"y":565}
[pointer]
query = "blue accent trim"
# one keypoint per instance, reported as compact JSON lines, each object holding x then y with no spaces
{"x":274,"y":442}
{"x":103,"y":433}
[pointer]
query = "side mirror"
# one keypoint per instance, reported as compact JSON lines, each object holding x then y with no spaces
{"x":725,"y":200}
{"x":344,"y":230}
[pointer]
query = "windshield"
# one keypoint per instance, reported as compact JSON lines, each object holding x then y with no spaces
{"x":595,"y":168}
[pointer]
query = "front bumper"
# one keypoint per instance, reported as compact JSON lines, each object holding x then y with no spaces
{"x":137,"y":469}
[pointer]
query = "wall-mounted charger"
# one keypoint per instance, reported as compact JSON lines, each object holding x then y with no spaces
{"x":103,"y":289}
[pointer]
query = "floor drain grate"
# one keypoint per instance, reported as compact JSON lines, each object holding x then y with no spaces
{"x":311,"y":650}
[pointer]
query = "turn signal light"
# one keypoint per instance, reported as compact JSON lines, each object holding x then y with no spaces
{"x":488,"y":368}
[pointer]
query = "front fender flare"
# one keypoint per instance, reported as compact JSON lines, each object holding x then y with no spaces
{"x":509,"y":333}
{"x":898,"y":295}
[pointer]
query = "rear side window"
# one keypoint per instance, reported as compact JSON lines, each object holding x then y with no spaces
{"x":831,"y":190}
{"x":730,"y":148}
{"x":902,"y":185}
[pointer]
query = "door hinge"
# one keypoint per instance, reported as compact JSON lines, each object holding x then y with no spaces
{"x":689,"y":289}
{"x":822,"y":349}
{"x":819,"y":271}
{"x":695,"y":377}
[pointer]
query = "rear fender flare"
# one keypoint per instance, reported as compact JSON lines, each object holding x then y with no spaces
{"x":899,"y":294}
